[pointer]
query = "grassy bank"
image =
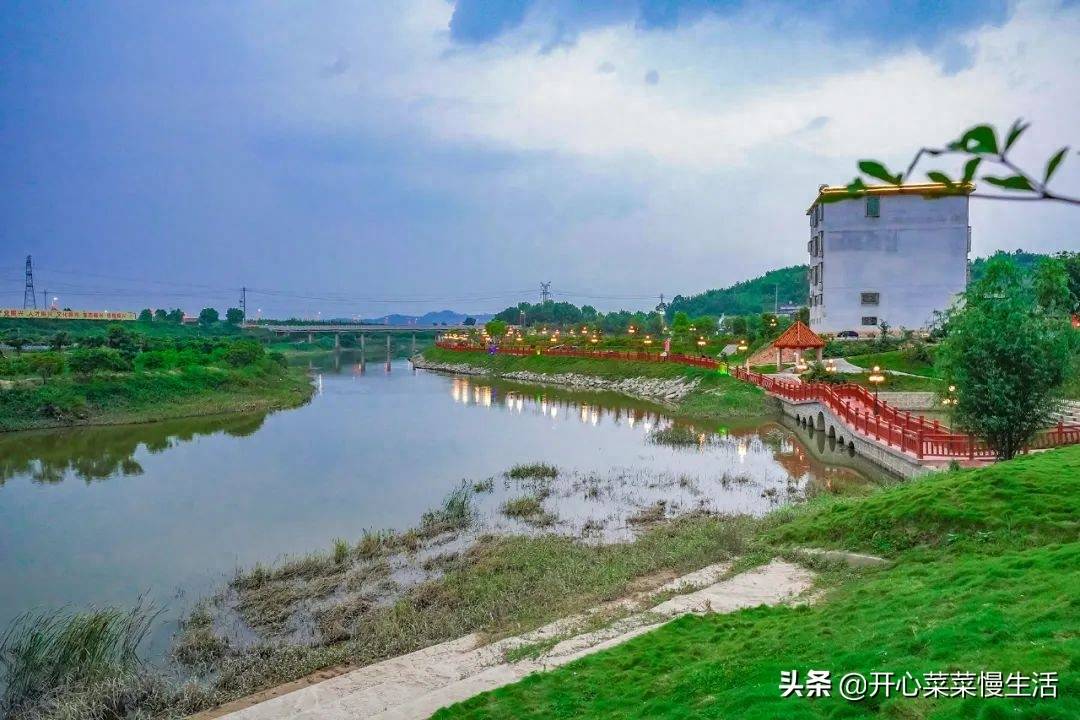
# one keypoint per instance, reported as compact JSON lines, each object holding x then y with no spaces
{"x":987,"y":563}
{"x":716,"y":396}
{"x":149,"y":395}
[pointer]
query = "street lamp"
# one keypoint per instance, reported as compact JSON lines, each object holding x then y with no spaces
{"x":648,"y":340}
{"x":631,"y":330}
{"x":743,"y":347}
{"x":701,"y":341}
{"x":877,"y":378}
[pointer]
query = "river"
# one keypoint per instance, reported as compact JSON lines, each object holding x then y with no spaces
{"x":101,"y":515}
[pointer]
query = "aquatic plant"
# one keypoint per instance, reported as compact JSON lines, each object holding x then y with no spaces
{"x":45,"y":651}
{"x":455,"y":513}
{"x":532,"y":471}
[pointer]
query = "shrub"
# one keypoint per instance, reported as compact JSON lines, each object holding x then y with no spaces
{"x":818,"y":373}
{"x":279,"y":358}
{"x":243,"y":352}
{"x":153,"y":360}
{"x":46,"y":364}
{"x":87,"y":361}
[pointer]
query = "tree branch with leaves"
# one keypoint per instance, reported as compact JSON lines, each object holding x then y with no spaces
{"x":982,"y":149}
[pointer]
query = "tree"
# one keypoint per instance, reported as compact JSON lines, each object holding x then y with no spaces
{"x":16,"y":341}
{"x":176,"y":315}
{"x":160,"y":315}
{"x":496,"y":328}
{"x":1007,"y":357}
{"x":977,"y":147}
{"x":1071,"y":261}
{"x":234,"y":316}
{"x":46,"y":364}
{"x":1050,"y":282}
{"x":803,"y":315}
{"x":145,"y":315}
{"x":59,"y":340}
{"x":208,"y":316}
{"x":680,"y":323}
{"x":470,"y":321}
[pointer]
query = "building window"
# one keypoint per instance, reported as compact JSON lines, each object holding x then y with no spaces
{"x":873,"y":206}
{"x":870,"y":298}
{"x":869,"y":320}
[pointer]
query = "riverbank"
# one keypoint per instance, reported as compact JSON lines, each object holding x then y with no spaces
{"x":690,"y":392}
{"x":152,"y":395}
{"x":984,"y":566}
{"x":981,"y":567}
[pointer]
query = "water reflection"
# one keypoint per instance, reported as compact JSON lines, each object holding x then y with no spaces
{"x":555,"y":404}
{"x":98,"y":453}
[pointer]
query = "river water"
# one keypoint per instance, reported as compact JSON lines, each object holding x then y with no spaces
{"x":104,"y":515}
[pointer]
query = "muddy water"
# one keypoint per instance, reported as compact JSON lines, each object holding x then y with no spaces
{"x":169,"y":510}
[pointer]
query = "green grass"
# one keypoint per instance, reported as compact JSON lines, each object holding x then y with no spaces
{"x":987,"y":563}
{"x":894,"y":360}
{"x":151,"y":395}
{"x":716,"y":395}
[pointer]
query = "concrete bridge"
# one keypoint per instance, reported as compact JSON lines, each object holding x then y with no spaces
{"x":337,"y":329}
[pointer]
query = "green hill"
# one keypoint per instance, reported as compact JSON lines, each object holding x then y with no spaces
{"x":749,"y":297}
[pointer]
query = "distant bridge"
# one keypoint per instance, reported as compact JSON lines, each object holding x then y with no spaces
{"x":352,"y":328}
{"x":347,"y":328}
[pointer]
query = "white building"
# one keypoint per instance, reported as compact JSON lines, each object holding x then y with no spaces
{"x":893,"y":254}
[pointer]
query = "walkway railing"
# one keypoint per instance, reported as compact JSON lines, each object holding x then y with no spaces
{"x":860,"y":411}
{"x":853,"y":404}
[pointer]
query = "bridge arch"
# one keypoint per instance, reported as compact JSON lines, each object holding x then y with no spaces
{"x":820,"y":420}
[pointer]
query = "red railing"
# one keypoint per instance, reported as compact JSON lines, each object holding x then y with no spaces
{"x":853,"y":404}
{"x":860,"y":411}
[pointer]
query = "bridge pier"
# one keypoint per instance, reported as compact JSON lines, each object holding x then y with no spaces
{"x":310,"y":337}
{"x":413,"y":353}
{"x":363,"y":349}
{"x":387,"y":352}
{"x":337,"y":341}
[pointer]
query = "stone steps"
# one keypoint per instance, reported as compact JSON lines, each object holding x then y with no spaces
{"x":414,"y":686}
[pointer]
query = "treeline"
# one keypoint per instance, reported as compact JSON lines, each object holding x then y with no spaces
{"x":207,"y":316}
{"x":124,"y":350}
{"x":564,"y":314}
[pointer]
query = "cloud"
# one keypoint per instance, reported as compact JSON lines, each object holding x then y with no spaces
{"x":922,"y":23}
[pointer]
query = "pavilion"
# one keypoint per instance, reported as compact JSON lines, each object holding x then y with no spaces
{"x":799,"y":338}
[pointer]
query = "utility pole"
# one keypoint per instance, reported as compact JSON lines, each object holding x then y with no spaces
{"x":545,"y":292}
{"x":45,"y":299}
{"x":29,"y":296}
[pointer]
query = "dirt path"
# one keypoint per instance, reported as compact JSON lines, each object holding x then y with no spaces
{"x":416,"y":685}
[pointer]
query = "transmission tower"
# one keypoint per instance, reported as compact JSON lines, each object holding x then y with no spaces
{"x":29,"y":296}
{"x":545,"y":292}
{"x":243,"y":301}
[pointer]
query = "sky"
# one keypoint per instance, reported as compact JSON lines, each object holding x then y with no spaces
{"x":358,"y":158}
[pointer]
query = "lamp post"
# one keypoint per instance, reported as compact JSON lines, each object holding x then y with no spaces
{"x":876,"y":377}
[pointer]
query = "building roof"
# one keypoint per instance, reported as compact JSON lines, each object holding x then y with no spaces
{"x":929,"y":189}
{"x":798,"y":337}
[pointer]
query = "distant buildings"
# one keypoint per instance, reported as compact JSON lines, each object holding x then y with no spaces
{"x":895,"y":254}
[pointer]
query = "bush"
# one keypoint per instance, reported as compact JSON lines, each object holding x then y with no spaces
{"x":819,"y":373}
{"x":917,"y":350}
{"x":46,"y":364}
{"x":87,"y":361}
{"x":279,"y":358}
{"x":243,"y":352}
{"x":153,"y":360}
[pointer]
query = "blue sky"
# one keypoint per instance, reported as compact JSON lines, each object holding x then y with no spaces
{"x":352,"y":158}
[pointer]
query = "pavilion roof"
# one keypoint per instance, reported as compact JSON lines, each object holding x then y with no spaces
{"x":798,"y":337}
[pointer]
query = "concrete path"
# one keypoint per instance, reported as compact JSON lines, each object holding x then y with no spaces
{"x":416,"y":685}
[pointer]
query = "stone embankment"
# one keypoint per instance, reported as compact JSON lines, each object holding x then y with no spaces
{"x":665,"y":390}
